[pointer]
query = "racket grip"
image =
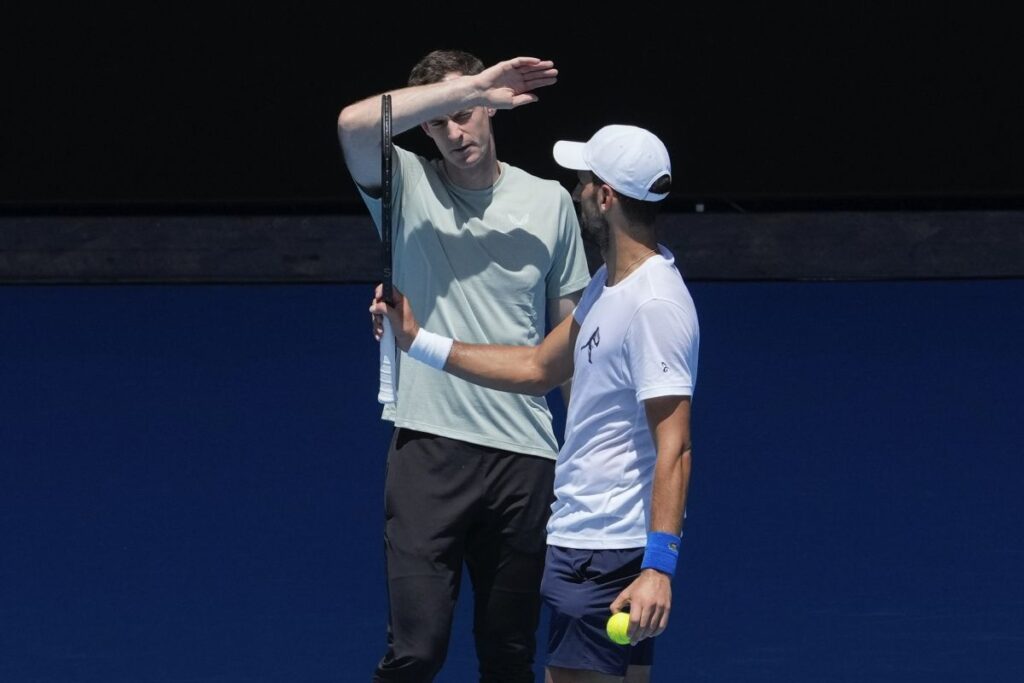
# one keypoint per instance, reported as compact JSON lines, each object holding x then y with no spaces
{"x":388,"y":375}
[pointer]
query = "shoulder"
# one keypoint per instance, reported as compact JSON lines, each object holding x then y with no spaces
{"x":411,"y":163}
{"x":544,"y":188}
{"x":412,"y":171}
{"x":408,"y":158}
{"x":664,"y":290}
{"x":664,"y":322}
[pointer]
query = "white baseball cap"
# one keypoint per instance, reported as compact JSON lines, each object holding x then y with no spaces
{"x":628,"y":158}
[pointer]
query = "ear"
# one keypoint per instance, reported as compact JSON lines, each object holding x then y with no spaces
{"x":491,"y":111}
{"x":604,"y":197}
{"x":423,"y":127}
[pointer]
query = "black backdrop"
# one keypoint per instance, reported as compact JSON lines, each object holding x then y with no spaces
{"x":173,"y":105}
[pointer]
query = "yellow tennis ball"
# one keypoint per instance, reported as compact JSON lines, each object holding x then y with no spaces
{"x":618,"y":628}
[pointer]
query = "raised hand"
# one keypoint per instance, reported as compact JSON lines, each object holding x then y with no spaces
{"x":511,"y":83}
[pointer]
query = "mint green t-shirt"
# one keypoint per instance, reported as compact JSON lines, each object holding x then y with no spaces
{"x":479,"y":266}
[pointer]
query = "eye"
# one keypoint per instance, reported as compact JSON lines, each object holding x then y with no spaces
{"x":462,"y":116}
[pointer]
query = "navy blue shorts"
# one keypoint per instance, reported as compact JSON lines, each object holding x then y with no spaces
{"x":578,"y":586}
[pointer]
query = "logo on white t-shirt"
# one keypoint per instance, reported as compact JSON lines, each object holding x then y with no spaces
{"x":592,"y":343}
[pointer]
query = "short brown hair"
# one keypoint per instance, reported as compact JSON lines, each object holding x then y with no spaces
{"x":439,"y":63}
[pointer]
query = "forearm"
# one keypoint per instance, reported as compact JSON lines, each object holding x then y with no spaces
{"x":671,"y":483}
{"x":516,"y":369}
{"x":359,"y":123}
{"x":649,"y":596}
{"x":558,"y":310}
{"x":668,"y":418}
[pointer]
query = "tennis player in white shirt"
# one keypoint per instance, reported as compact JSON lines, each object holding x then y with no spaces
{"x":622,"y":474}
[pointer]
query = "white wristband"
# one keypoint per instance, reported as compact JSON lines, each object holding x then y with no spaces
{"x":430,"y":348}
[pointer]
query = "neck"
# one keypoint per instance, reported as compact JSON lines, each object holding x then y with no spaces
{"x":626,"y":253}
{"x":479,"y":176}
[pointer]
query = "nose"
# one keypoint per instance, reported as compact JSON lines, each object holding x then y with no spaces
{"x":453,"y":131}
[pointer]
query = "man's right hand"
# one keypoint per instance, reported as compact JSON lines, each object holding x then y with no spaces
{"x":509,"y":84}
{"x":403,"y":321}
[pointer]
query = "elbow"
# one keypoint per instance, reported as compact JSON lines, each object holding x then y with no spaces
{"x":538,"y":388}
{"x":345,"y":118}
{"x":348,"y":122}
{"x":540,"y":382}
{"x":529,"y":377}
{"x":529,"y":383}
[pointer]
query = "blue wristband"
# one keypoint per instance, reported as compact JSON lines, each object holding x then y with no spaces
{"x":661,"y":553}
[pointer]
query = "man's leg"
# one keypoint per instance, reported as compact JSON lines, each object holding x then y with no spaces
{"x":554,"y":674}
{"x":428,"y":495}
{"x":505,"y":557}
{"x":635,"y":674}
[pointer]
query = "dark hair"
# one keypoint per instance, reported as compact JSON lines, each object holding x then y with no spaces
{"x":639,"y":210}
{"x":439,"y":63}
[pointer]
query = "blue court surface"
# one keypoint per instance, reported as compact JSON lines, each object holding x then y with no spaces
{"x":191,"y":483}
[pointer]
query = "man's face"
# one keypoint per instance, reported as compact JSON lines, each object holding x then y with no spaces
{"x":593,"y":224}
{"x":462,"y":137}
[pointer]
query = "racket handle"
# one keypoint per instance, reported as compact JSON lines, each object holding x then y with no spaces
{"x":386,"y":392}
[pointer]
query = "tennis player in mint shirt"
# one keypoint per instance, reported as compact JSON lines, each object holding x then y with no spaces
{"x":489,"y":253}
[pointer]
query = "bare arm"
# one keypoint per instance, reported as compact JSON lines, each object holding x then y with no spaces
{"x":532,"y":370}
{"x":650,"y":596}
{"x":505,"y":85}
{"x":558,"y":310}
{"x":669,"y":421}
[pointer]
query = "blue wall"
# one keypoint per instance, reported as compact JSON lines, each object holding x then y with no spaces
{"x":190,"y":486}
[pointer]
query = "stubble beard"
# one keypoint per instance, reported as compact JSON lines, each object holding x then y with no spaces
{"x":595,"y":229}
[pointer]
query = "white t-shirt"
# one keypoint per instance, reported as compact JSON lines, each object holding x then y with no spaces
{"x":637,"y":340}
{"x":479,"y":266}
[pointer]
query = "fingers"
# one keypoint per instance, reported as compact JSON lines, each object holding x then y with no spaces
{"x":649,"y":598}
{"x":523,"y":62}
{"x":541,"y":70}
{"x":647,"y":621}
{"x":378,"y":305}
{"x":539,"y":76}
{"x":662,"y":623}
{"x":533,"y":72}
{"x":377,"y":321}
{"x":620,"y":602}
{"x":378,"y":309}
{"x":520,"y":100}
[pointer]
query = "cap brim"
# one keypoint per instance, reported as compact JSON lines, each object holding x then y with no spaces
{"x":570,"y":155}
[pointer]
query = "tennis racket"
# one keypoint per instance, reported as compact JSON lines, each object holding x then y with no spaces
{"x":388,"y":366}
